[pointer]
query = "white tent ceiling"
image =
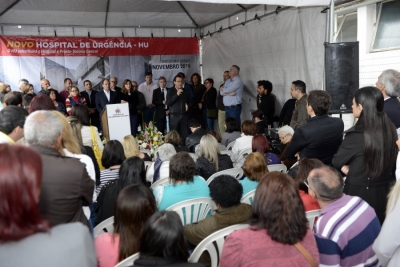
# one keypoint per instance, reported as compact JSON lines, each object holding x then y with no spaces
{"x":129,"y":13}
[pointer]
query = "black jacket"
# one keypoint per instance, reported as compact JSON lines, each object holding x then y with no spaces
{"x":90,"y":101}
{"x":392,"y":109}
{"x":210,"y":99}
{"x":177,"y":103}
{"x":286,"y":113}
{"x":102,"y":101}
{"x":133,"y":101}
{"x":267,"y":106}
{"x":193,"y":139}
{"x":158,"y":98}
{"x":319,"y":138}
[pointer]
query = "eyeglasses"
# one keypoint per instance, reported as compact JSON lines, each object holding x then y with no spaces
{"x":281,"y":138}
{"x":74,"y":91}
{"x":318,"y":196}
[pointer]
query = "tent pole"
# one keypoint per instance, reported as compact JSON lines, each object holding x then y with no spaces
{"x":9,"y":7}
{"x":187,"y":13}
{"x":331,"y":20}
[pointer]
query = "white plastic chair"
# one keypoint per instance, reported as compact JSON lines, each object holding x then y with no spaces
{"x":162,"y":181}
{"x":237,"y":173}
{"x":194,"y":156}
{"x":193,"y":210}
{"x":277,"y":168}
{"x":311,"y":216}
{"x":227,"y":152}
{"x":106,"y":226}
{"x":230,"y":145}
{"x":248,"y":198}
{"x":128,"y":261}
{"x":214,"y":250}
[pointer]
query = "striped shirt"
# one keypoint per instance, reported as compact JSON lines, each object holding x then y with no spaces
{"x":345,"y":232}
{"x":105,"y":176}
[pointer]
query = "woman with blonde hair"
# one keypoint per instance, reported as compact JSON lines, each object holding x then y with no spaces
{"x":131,"y":148}
{"x":387,"y":244}
{"x":210,"y":158}
{"x":71,"y":148}
{"x":255,"y":166}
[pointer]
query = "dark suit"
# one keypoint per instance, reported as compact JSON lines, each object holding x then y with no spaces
{"x":102,"y":101}
{"x":319,"y":138}
{"x":65,"y":188}
{"x":392,"y":110}
{"x":158,"y":98}
{"x":91,"y":103}
{"x":178,"y":115}
{"x":266,"y":103}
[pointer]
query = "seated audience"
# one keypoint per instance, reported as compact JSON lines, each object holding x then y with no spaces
{"x":27,"y":100}
{"x":112,"y":158}
{"x":278,"y":227}
{"x":131,"y":148}
{"x":254,"y":168}
{"x":387,"y":244}
{"x":66,"y":185}
{"x":52,"y":93}
{"x":26,"y":238}
{"x":41,"y":102}
{"x":321,"y":136}
{"x":232,"y":131}
{"x":12,"y":121}
{"x":132,"y":171}
{"x":285,"y":135}
{"x":347,"y":225}
{"x":76,"y":127}
{"x":81,"y":112}
{"x":226,"y":192}
{"x":259,"y":119}
{"x":13,"y":99}
{"x":133,"y":207}
{"x":162,"y":242}
{"x":193,"y":139}
{"x":184,"y":184}
{"x":175,"y":139}
{"x":218,"y":137}
{"x":70,"y":148}
{"x":260,"y":144}
{"x":210,"y":159}
{"x":249,"y":129}
{"x":304,"y":169}
{"x":160,"y":168}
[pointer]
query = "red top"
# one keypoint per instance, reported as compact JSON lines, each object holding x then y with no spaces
{"x":309,"y":202}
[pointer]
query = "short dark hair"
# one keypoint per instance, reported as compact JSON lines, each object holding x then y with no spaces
{"x":181,"y":74}
{"x":13,"y":99}
{"x":66,"y":79}
{"x":27,"y":100}
{"x":320,"y":101}
{"x":12,"y":117}
{"x":178,"y":76}
{"x":194,"y":123}
{"x":231,"y":125}
{"x":87,"y":81}
{"x":163,"y":237}
{"x":162,"y":78}
{"x":304,"y":169}
{"x":249,"y":127}
{"x":300,"y":85}
{"x":278,"y":209}
{"x":327,"y":183}
{"x":226,"y":191}
{"x":148,"y":73}
{"x":267,"y":85}
{"x":81,"y":112}
{"x":113,"y":154}
{"x":182,"y":167}
{"x":2,"y":95}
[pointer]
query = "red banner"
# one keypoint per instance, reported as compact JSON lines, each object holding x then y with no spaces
{"x":76,"y":46}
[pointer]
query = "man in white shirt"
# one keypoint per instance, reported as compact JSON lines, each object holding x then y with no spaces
{"x":147,"y":89}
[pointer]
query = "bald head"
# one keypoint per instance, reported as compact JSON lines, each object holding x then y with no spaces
{"x":45,"y":84}
{"x":326,"y":182}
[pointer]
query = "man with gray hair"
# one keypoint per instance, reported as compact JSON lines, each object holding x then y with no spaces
{"x":347,"y":226}
{"x":389,"y":84}
{"x":160,"y":168}
{"x":66,"y":185}
{"x":232,"y":93}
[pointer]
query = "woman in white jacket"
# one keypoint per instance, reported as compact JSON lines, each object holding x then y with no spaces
{"x":242,"y":145}
{"x":387,"y":244}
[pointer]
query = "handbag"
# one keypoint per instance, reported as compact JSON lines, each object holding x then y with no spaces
{"x":212,"y":113}
{"x":306,"y":254}
{"x":97,"y":152}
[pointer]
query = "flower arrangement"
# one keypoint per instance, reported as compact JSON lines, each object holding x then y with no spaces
{"x":149,"y":138}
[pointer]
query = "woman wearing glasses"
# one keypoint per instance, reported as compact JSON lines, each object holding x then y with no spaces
{"x":74,"y":99}
{"x":285,"y":135}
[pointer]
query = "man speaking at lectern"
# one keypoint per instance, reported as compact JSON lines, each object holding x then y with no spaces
{"x":105,"y":97}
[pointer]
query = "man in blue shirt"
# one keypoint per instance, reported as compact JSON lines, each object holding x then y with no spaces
{"x":232,"y":93}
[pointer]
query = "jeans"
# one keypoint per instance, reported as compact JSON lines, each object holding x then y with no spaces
{"x":209,"y":121}
{"x":148,"y":114}
{"x":134,"y":124}
{"x":234,"y":112}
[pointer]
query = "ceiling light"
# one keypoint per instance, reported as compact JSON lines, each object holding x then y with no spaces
{"x":19,"y":26}
{"x":237,"y":18}
{"x":179,"y":30}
